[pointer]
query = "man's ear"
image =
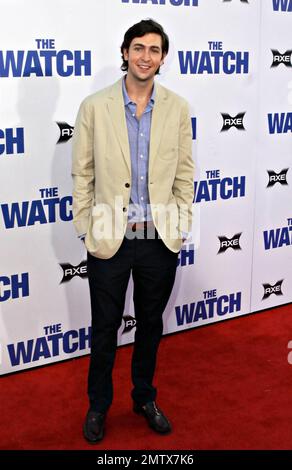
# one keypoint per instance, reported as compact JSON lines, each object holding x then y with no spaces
{"x":163,"y":57}
{"x":125,"y":54}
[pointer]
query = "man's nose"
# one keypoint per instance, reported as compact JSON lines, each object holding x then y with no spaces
{"x":146,"y":55}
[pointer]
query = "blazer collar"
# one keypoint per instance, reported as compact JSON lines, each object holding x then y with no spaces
{"x":116,"y":108}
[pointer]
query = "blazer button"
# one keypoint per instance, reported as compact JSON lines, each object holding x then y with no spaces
{"x":127,"y":185}
{"x":124,"y":209}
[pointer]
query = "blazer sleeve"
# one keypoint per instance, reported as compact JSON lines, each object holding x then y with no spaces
{"x":183,"y":186}
{"x":83,"y":168}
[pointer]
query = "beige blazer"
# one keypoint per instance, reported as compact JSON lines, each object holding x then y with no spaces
{"x":101,"y":169}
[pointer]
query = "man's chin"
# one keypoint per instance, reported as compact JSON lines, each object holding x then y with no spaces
{"x":143,"y":78}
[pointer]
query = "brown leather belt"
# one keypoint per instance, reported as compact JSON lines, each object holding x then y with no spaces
{"x":140,"y":225}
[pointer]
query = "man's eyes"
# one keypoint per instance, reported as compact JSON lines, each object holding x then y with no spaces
{"x":137,"y":48}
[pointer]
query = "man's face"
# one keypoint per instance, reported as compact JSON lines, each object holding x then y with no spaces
{"x":144,"y":56}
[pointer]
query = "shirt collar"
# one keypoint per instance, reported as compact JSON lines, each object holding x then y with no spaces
{"x":127,"y":99}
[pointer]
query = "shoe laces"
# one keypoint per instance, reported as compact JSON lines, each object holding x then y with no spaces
{"x":96,"y":418}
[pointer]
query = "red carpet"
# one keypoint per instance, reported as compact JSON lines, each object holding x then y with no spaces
{"x":224,"y":386}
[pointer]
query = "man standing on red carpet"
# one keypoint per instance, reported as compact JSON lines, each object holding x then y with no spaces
{"x":132,"y":201}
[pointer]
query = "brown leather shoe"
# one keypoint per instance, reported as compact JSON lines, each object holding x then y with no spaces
{"x":93,"y":428}
{"x":154,"y":416}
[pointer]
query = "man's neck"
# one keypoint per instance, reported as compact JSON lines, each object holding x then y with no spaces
{"x":139,"y":91}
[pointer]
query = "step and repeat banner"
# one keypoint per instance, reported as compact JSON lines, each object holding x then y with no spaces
{"x":231,"y":60}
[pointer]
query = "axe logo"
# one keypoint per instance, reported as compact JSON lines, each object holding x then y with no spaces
{"x":226,"y":243}
{"x":275,"y":289}
{"x":66,"y":132}
{"x":277,"y":177}
{"x":229,"y":121}
{"x":281,"y":58}
{"x":70,"y":271}
{"x":130,"y":323}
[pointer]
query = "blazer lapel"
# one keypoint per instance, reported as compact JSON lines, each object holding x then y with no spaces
{"x":159,"y":114}
{"x":116,"y":108}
